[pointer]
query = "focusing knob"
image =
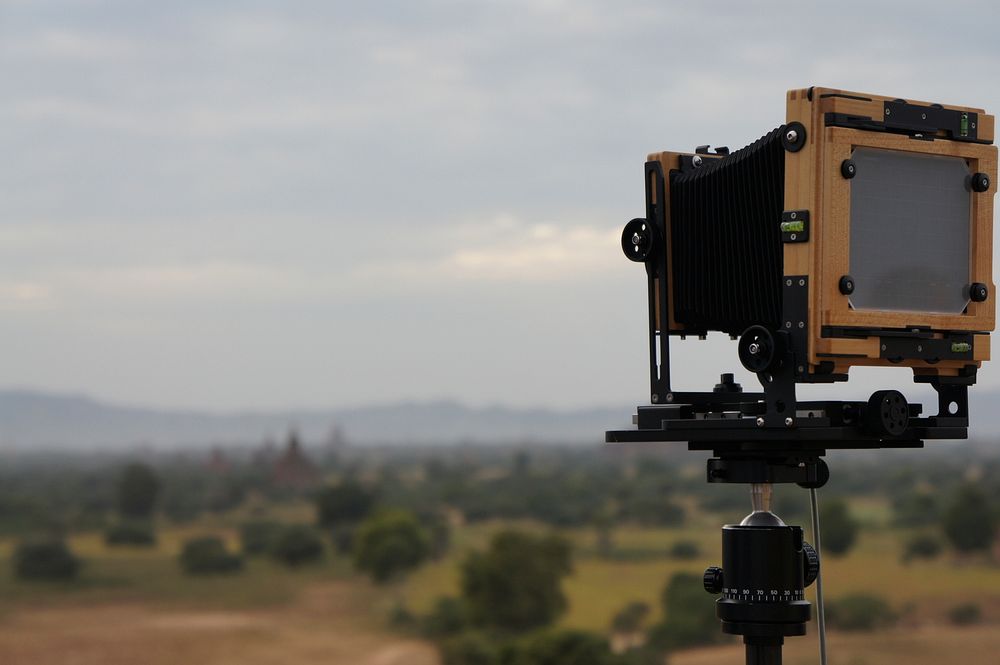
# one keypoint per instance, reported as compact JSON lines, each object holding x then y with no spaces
{"x":713,"y":580}
{"x":639,"y":240}
{"x":978,"y":292}
{"x":810,"y":563}
{"x":757,"y":349}
{"x":887,"y":414}
{"x":980,"y":182}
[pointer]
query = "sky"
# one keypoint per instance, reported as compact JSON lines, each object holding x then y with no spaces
{"x":267,"y":205}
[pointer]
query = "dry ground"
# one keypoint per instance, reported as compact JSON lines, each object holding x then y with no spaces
{"x":323,"y":625}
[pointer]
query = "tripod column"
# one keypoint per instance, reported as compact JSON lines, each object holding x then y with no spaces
{"x":763,"y":650}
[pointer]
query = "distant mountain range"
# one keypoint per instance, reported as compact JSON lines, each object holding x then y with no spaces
{"x":58,"y":421}
{"x":36,"y":420}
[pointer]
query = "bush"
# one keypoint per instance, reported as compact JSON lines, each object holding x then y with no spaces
{"x":689,"y":613}
{"x":561,"y":647}
{"x":471,"y":648}
{"x":969,"y":520}
{"x":140,"y":534}
{"x":448,"y":617}
{"x":346,"y":503}
{"x":516,"y":585}
{"x":630,"y":618}
{"x":860,"y":612}
{"x":297,"y":544}
{"x":390,"y":544}
{"x":965,"y":614}
{"x":207,"y":555}
{"x":343,"y":539}
{"x":45,"y":560}
{"x":838,"y":528}
{"x":921,"y":546}
{"x":257,"y":537}
{"x":685,"y":550}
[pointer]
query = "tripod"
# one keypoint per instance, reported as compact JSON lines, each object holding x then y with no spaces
{"x":766,"y":564}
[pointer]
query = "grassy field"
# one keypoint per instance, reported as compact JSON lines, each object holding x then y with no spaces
{"x":134,"y":605}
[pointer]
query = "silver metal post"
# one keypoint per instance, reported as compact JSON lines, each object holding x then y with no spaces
{"x":820,"y":613}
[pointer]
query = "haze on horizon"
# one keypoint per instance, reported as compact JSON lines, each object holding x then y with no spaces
{"x":236,"y":205}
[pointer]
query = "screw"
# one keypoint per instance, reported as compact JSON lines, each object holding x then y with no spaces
{"x":788,"y":422}
{"x":887,"y":111}
{"x":973,"y":125}
{"x":788,"y":324}
{"x":920,"y":349}
{"x":696,"y":161}
{"x":670,"y":397}
{"x":654,"y":398}
{"x":793,"y":215}
{"x":760,"y":422}
{"x":883,"y":347}
{"x":636,"y":239}
{"x":802,"y":324}
{"x":923,"y":116}
{"x":802,"y":282}
{"x":754,"y":348}
{"x":792,"y":237}
{"x":788,"y":282}
{"x":792,"y":136}
{"x":801,"y":369}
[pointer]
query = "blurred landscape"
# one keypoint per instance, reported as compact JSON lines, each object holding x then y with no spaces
{"x":313,"y":315}
{"x":311,"y":550}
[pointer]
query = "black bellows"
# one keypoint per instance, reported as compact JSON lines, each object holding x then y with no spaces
{"x":725,"y":237}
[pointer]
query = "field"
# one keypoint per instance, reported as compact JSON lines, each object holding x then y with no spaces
{"x":136,"y":606}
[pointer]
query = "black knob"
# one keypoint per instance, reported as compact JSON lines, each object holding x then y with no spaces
{"x":726,"y":384}
{"x":713,"y":579}
{"x":887,"y":413}
{"x":846,"y":285}
{"x":980,"y":182}
{"x":978,"y":292}
{"x":639,"y":240}
{"x":810,"y":563}
{"x":757,"y":349}
{"x":848,"y":168}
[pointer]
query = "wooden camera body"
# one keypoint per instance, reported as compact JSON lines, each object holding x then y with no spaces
{"x":859,"y":232}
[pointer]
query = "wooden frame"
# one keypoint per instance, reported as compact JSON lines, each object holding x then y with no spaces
{"x":813,"y":182}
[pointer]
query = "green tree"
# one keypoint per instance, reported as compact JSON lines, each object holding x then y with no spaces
{"x":839,"y":529}
{"x":296,"y":544}
{"x":345,"y":503}
{"x":137,"y":488}
{"x":45,"y":560}
{"x":562,"y":647}
{"x":689,"y":615}
{"x":207,"y":555}
{"x":516,"y":584}
{"x":969,"y":521}
{"x":389,"y":544}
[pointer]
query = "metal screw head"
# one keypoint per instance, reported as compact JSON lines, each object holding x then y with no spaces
{"x":800,"y":369}
{"x":788,"y":282}
{"x":883,"y":347}
{"x":670,"y":397}
{"x":760,"y":422}
{"x":923,"y":116}
{"x":802,"y":324}
{"x":654,"y":398}
{"x":788,"y":422}
{"x":788,"y":324}
{"x":696,"y":161}
{"x":636,"y":239}
{"x":887,"y":112}
{"x":802,"y":282}
{"x":794,"y":214}
{"x":792,"y":136}
{"x":792,"y":237}
{"x":754,"y":348}
{"x":920,"y":348}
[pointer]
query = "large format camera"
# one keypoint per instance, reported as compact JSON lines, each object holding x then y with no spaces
{"x":860,"y":232}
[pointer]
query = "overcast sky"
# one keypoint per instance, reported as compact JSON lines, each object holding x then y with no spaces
{"x":262,"y":205}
